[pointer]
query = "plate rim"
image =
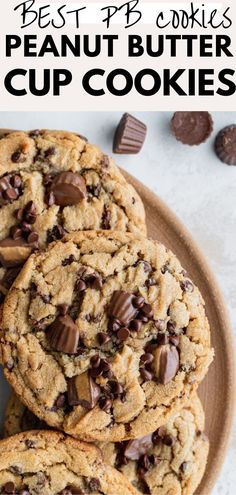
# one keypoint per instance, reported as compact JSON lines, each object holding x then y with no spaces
{"x":186,"y":239}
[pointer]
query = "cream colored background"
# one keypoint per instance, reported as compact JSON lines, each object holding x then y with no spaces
{"x":192,"y":181}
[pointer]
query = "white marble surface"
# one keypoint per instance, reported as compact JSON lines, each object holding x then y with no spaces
{"x":192,"y":181}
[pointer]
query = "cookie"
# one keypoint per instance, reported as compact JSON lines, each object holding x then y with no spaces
{"x":19,"y":418}
{"x":53,"y":182}
{"x":104,"y":335}
{"x":172,"y":459}
{"x":225,"y":144}
{"x":49,"y":463}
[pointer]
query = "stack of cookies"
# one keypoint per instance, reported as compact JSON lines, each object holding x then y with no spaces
{"x":104,"y":338}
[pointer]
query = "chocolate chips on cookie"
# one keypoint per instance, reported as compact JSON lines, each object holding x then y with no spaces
{"x":54,"y":182}
{"x":111,"y":343}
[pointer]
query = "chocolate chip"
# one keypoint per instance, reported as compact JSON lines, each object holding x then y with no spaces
{"x":80,"y":285}
{"x":69,"y":260}
{"x":121,"y":307}
{"x":60,"y":401}
{"x":15,"y":469}
{"x":138,"y":302}
{"x":184,"y":466}
{"x":146,"y":358}
{"x":163,"y":338}
{"x":146,"y":375}
{"x":105,"y":404}
{"x":150,"y":282}
{"x":147,"y":310}
{"x":171,"y":326}
{"x":166,"y":363}
{"x":147,"y":267}
{"x":94,"y":485}
{"x":15,"y":181}
{"x":9,"y":488}
{"x":94,"y":281}
{"x":123,"y":333}
{"x":32,"y":238}
{"x":187,"y":286}
{"x":56,"y":233}
{"x":10,"y":364}
{"x":160,"y":325}
{"x":35,"y":133}
{"x":19,"y":214}
{"x":30,"y":212}
{"x":18,"y":156}
{"x":144,"y":465}
{"x":83,"y":391}
{"x":168,"y":440}
{"x":63,"y":335}
{"x":95,"y":190}
{"x":69,"y":188}
{"x":11,"y":194}
{"x":114,"y":325}
{"x":134,"y":449}
{"x":116,"y":388}
{"x":95,"y":361}
{"x":129,"y":136}
{"x":103,"y":338}
{"x":135,"y":325}
{"x":26,"y":227}
{"x":106,"y":219}
{"x":104,"y":161}
{"x":15,"y":233}
{"x":50,"y":151}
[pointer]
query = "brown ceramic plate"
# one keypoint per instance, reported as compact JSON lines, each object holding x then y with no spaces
{"x":217,"y":392}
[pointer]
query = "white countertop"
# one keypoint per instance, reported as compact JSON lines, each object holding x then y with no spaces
{"x":192,"y":181}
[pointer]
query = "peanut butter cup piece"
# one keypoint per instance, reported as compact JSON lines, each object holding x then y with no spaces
{"x":122,"y":307}
{"x":13,"y":252}
{"x":68,"y":188}
{"x":136,"y":448}
{"x":191,"y":128}
{"x":63,"y":335}
{"x":129,"y":136}
{"x":165,"y":363}
{"x":225,"y":145}
{"x":83,"y":391}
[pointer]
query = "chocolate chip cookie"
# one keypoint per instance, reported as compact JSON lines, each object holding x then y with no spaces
{"x":49,"y":463}
{"x":53,"y":182}
{"x":171,"y":459}
{"x":104,"y":335}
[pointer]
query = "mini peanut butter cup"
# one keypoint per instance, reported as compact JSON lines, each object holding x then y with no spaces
{"x":129,"y":136}
{"x":191,"y":128}
{"x":225,"y":145}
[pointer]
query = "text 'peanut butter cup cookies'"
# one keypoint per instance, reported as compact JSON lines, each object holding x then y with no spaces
{"x":53,"y":182}
{"x":49,"y":463}
{"x":171,"y":459}
{"x":104,"y":335}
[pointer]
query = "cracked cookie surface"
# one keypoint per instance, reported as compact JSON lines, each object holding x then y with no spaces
{"x":49,"y":463}
{"x":53,"y":182}
{"x":172,"y":459}
{"x":104,"y":335}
